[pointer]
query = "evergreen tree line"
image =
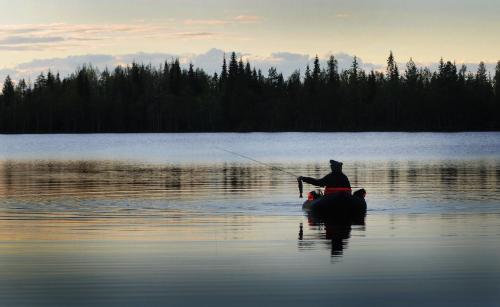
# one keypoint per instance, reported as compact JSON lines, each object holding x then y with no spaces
{"x":142,"y":98}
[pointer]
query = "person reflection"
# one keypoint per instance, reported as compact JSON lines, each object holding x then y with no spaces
{"x":332,"y":233}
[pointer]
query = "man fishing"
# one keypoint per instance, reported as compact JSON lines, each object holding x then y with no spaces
{"x":334,"y":182}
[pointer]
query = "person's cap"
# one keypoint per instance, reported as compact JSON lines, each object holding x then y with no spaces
{"x":335,"y":164}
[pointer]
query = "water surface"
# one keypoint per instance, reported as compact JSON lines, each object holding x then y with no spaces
{"x":171,"y":219}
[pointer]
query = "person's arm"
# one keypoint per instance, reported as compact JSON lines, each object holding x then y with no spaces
{"x":317,"y":182}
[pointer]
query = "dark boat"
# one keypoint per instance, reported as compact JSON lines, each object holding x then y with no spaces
{"x":337,"y":205}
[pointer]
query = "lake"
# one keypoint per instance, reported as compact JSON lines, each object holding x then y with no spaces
{"x":174,"y":220}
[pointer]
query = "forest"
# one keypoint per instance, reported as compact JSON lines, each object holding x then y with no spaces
{"x":170,"y":98}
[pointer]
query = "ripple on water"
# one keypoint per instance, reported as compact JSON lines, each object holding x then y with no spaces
{"x":158,"y":223}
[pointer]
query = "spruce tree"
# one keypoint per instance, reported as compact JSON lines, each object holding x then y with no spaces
{"x":354,"y":71}
{"x":497,"y":92}
{"x":307,"y":78}
{"x":241,"y":67}
{"x":21,"y":88}
{"x":462,"y":72}
{"x":497,"y":81}
{"x":316,"y":70}
{"x":233,"y":67}
{"x":8,"y":91}
{"x":248,"y":71}
{"x":8,"y":88}
{"x":223,"y":74}
{"x":411,"y":72}
{"x":392,"y":68}
{"x":171,"y":98}
{"x":332,"y":70}
{"x":481,"y":75}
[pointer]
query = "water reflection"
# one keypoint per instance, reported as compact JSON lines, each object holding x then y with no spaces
{"x":211,"y":232}
{"x":115,"y":179}
{"x":471,"y":180}
{"x":99,"y":198}
{"x":333,"y":234}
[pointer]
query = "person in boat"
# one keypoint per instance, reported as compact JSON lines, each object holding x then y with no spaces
{"x":334,"y":182}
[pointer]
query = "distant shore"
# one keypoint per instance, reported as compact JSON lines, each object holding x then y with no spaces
{"x":142,"y":98}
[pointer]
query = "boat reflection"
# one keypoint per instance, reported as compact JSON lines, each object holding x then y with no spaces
{"x":334,"y":234}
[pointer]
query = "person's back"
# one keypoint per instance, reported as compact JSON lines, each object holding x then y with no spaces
{"x":334,"y":182}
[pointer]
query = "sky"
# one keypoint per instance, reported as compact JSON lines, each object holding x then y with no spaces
{"x":62,"y":35}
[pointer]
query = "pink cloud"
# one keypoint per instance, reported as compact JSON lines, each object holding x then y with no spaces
{"x":247,"y":18}
{"x":207,"y":22}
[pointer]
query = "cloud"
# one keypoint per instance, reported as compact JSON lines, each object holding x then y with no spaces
{"x":206,"y":22}
{"x":345,"y":62}
{"x":67,"y":64}
{"x":75,"y":36}
{"x":192,"y":35}
{"x":13,"y":73}
{"x":247,"y":18}
{"x":240,"y":19}
{"x":471,"y":67}
{"x":23,"y":43}
{"x":210,"y":61}
{"x":288,"y":56}
{"x":284,"y":62}
{"x":21,"y":48}
{"x":17,"y":40}
{"x":67,"y":29}
{"x":65,"y":35}
{"x":155,"y":59}
{"x":343,"y":15}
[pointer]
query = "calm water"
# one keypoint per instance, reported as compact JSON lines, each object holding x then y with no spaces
{"x":172,"y":220}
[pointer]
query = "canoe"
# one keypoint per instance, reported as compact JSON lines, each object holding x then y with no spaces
{"x":338,"y":205}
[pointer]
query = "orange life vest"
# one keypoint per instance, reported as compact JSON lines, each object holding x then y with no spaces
{"x":331,"y":190}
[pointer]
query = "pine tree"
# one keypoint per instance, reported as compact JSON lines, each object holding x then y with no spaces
{"x":175,"y":77}
{"x":497,"y":81}
{"x":272,"y":76}
{"x":411,"y":72}
{"x":462,"y":74}
{"x":8,"y":90}
{"x":332,"y":70}
{"x":233,"y":67}
{"x":354,"y":71}
{"x":441,"y":67}
{"x":307,"y":78}
{"x":191,"y":71}
{"x":192,"y":80}
{"x":481,"y":75}
{"x":241,"y":67}
{"x":497,"y":92}
{"x":392,"y":69}
{"x":248,"y":71}
{"x":40,"y":82}
{"x":316,"y":73}
{"x":255,"y":76}
{"x":171,"y":98}
{"x":21,"y":88}
{"x":50,"y":79}
{"x":223,"y":74}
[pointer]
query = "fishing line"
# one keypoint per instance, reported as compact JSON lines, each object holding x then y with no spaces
{"x":299,"y":181}
{"x":257,"y":161}
{"x":268,"y":165}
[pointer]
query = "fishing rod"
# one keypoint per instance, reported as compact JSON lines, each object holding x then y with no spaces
{"x":257,"y":161}
{"x":299,"y":182}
